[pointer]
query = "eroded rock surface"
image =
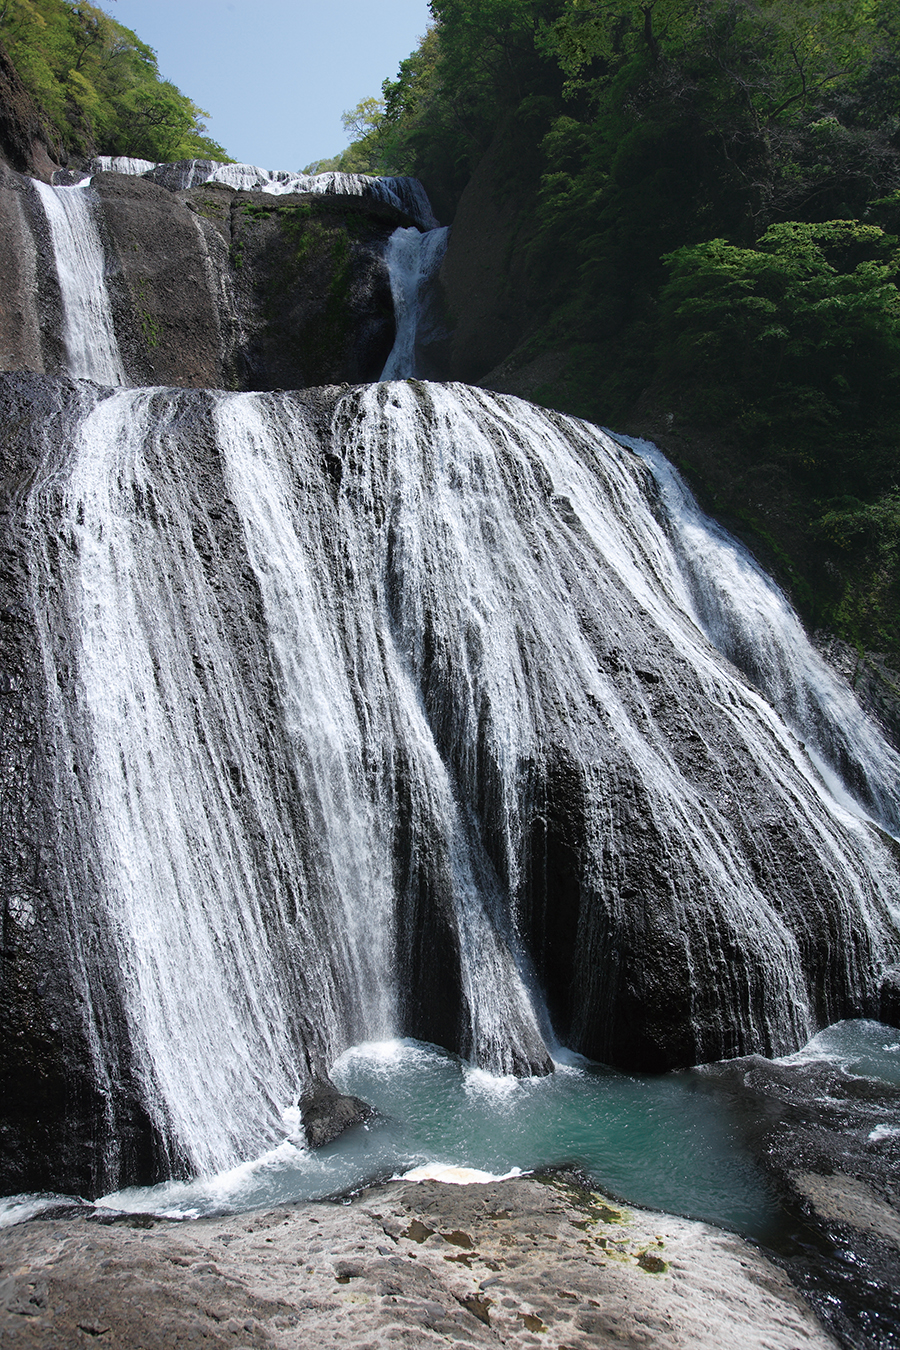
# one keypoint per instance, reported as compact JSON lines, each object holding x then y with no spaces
{"x":828,"y":1141}
{"x":518,"y":1263}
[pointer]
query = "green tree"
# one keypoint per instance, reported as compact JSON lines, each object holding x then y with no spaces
{"x":800,"y":337}
{"x":99,"y":84}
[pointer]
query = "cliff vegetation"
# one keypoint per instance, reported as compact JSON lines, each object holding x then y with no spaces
{"x":703,"y":202}
{"x":98,"y":86}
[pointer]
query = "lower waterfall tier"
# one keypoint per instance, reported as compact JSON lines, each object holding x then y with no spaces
{"x":393,"y":711}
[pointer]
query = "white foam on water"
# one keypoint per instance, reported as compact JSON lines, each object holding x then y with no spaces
{"x":855,"y":1047}
{"x":16,"y":1209}
{"x":496,"y":1087}
{"x":884,"y":1131}
{"x":457,"y":1176}
{"x":385,"y":1056}
{"x":236,"y":1188}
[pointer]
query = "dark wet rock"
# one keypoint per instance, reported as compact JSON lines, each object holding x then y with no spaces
{"x":641,"y":964}
{"x":312,"y":295}
{"x":326,"y":1113}
{"x":20,"y":320}
{"x":874,"y":681}
{"x":829,"y":1143}
{"x":889,"y":1002}
{"x":481,"y":278}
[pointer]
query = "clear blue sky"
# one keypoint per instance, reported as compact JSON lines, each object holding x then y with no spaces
{"x":275,"y":75}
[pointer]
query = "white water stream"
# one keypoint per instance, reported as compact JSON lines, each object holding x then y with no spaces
{"x":405,"y":194}
{"x":413,"y":259}
{"x":750,"y":621}
{"x":88,"y":331}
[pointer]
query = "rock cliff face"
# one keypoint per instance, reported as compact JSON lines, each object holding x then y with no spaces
{"x":27,"y":142}
{"x":21,"y":345}
{"x":210,"y":287}
{"x":482,"y":286}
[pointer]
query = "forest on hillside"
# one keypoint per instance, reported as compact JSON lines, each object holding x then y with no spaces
{"x":97,"y":86}
{"x":707,"y":203}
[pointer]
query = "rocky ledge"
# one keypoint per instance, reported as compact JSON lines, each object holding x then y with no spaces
{"x":524,"y":1262}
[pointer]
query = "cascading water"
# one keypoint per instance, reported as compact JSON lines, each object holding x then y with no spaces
{"x":746,"y":616}
{"x":318,"y":621}
{"x":88,"y":331}
{"x":433,"y":636}
{"x":406,"y":194}
{"x":127,"y":164}
{"x":413,"y":258}
{"x":415,"y":710}
{"x":187,"y":854}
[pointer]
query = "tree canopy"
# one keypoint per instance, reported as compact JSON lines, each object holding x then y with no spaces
{"x":708,"y":201}
{"x":99,"y":85}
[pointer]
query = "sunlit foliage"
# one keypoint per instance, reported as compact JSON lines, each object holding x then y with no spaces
{"x":99,"y":85}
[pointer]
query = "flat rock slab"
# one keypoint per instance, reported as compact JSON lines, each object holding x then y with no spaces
{"x":515,"y":1263}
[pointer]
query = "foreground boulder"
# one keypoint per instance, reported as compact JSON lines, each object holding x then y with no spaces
{"x":517,"y":1263}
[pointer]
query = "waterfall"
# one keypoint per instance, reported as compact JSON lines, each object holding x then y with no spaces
{"x":413,"y":710}
{"x":748,"y":618}
{"x":126,"y":164}
{"x":91,"y":348}
{"x":413,"y":259}
{"x":169,"y":739}
{"x":404,"y":194}
{"x":315,"y":696}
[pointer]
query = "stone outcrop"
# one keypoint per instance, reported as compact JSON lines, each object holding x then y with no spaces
{"x":481,"y":279}
{"x":20,"y":321}
{"x":313,"y":301}
{"x":327,"y":1113}
{"x":517,"y":1263}
{"x":827,"y":1140}
{"x":27,"y":142}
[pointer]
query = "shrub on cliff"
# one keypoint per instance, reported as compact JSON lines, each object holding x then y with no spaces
{"x":799,"y":339}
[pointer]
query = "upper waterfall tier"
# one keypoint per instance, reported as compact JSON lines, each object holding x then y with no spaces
{"x":395,"y":711}
{"x":207,"y":287}
{"x":92,"y":351}
{"x":413,"y":260}
{"x":405,"y":194}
